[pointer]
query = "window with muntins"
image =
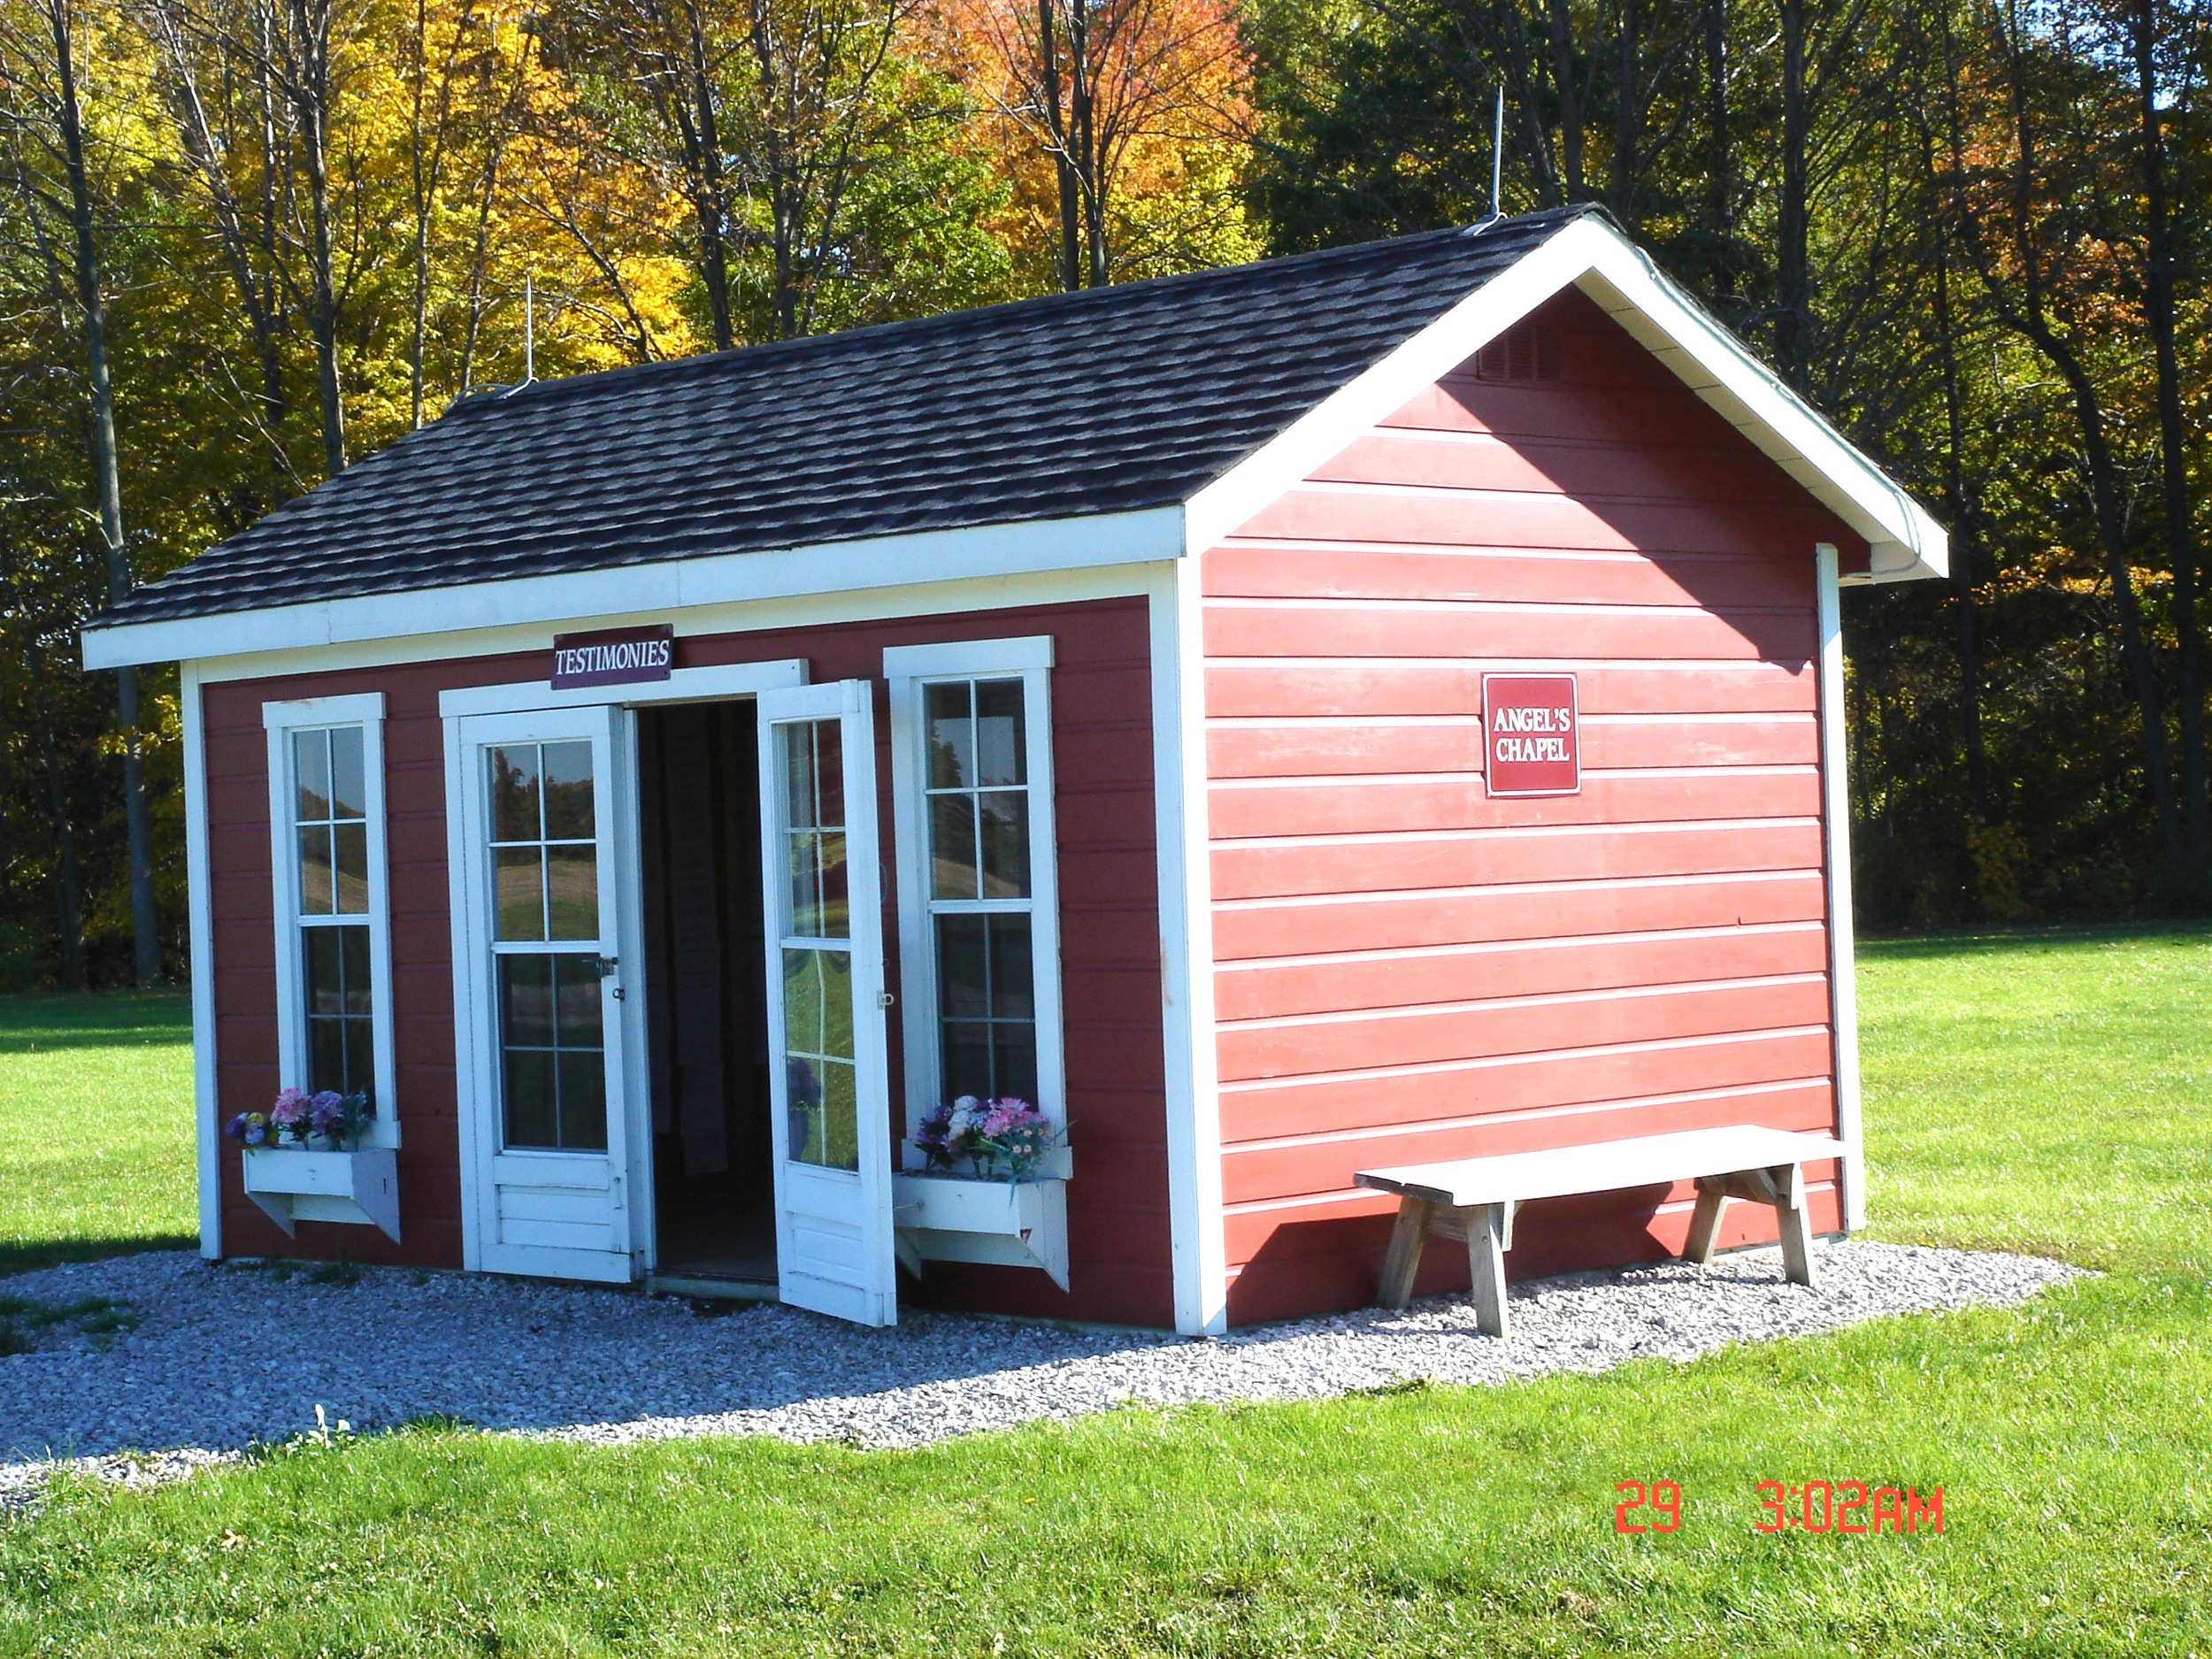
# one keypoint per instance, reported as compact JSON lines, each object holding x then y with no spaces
{"x":978,"y":885}
{"x":327,"y":811}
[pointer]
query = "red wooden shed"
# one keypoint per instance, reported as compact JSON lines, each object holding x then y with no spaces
{"x":1352,"y":710}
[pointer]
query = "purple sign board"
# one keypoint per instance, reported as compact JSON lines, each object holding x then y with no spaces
{"x":617,"y":657}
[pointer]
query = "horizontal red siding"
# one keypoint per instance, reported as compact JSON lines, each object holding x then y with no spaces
{"x":1102,"y":760}
{"x":1408,"y":969}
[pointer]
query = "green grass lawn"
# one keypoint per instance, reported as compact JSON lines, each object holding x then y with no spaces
{"x":95,"y":1127}
{"x":2044,"y":1092}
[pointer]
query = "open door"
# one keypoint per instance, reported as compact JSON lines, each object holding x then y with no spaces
{"x":543,"y":1086}
{"x":831,"y":1115}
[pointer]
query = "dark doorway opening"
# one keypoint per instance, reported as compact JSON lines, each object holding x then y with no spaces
{"x":706,"y":1007}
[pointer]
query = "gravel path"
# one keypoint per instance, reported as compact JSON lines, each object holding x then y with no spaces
{"x":224,"y":1356}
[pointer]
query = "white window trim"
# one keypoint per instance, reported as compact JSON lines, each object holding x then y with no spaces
{"x":909,"y":668}
{"x":279,"y":720}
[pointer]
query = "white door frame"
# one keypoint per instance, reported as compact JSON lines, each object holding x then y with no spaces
{"x":473,"y":1031}
{"x":851,"y":1274}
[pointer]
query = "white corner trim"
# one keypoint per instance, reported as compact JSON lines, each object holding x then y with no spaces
{"x":200,"y":924}
{"x":962,"y":657}
{"x":467,"y":1078}
{"x":1836,"y":821}
{"x":1198,"y":1226}
{"x":683,"y":684}
{"x":1905,"y":542}
{"x":926,"y":558}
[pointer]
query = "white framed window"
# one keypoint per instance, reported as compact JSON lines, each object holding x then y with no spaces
{"x":978,"y":878}
{"x":334,"y":951}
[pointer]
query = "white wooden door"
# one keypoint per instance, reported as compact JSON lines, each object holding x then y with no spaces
{"x":543,"y":1103}
{"x":832,"y":1096}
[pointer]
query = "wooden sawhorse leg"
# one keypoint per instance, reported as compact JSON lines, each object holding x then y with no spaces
{"x":1489,"y":1236}
{"x":1784,"y":1187}
{"x":1404,"y":1256}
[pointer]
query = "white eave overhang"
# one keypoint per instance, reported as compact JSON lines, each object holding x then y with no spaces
{"x":981,"y":552}
{"x":1904,"y":542}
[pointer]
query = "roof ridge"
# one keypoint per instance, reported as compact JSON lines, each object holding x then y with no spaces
{"x":540,"y":392}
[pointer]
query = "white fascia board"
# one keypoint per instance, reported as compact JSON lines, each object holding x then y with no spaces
{"x":654,"y":589}
{"x":1905,"y":542}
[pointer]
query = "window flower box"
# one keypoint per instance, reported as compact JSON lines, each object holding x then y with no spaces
{"x":944,"y":1216}
{"x":296,"y":1184}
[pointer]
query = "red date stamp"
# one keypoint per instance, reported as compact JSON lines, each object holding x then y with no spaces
{"x":1850,"y":1508}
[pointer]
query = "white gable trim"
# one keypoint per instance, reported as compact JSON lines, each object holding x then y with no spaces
{"x":990,"y":552}
{"x":1590,"y":254}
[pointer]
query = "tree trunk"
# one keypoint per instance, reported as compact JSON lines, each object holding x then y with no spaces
{"x":2173,"y":443}
{"x":1720,"y":186}
{"x":310,"y":97}
{"x":1793,"y":280}
{"x":108,"y":483}
{"x":1563,"y":74}
{"x":1626,"y":118}
{"x":1964,"y":541}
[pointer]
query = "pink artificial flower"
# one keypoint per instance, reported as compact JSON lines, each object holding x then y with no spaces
{"x":291,"y":1108}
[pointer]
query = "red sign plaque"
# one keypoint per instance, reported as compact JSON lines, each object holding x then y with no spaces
{"x":618,"y":656}
{"x":1530,"y":734}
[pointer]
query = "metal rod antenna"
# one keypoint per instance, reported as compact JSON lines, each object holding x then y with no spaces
{"x":1497,"y":156}
{"x":530,"y":326}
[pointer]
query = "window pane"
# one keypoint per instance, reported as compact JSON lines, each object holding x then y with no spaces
{"x":569,"y":814}
{"x":800,"y":807}
{"x":325,"y":982}
{"x":327,"y":1055}
{"x":802,"y":1002}
{"x":951,"y":736}
{"x":514,"y":792}
{"x":1005,"y":826}
{"x":967,"y":1058}
{"x":348,"y":785}
{"x":532,"y":1120}
{"x":836,"y":969}
{"x":311,"y":774}
{"x":803,"y":1084}
{"x":572,"y":880}
{"x":583,"y":1100}
{"x":360,"y":1058}
{"x":518,"y":892}
{"x":315,"y":896}
{"x":1000,"y":740}
{"x":525,"y":1001}
{"x":354,"y":960}
{"x":1014,"y":1060}
{"x":829,"y":778}
{"x":578,"y":1021}
{"x":350,"y":850}
{"x":964,"y":985}
{"x":1013,"y":989}
{"x":952,"y":846}
{"x":841,"y":1115}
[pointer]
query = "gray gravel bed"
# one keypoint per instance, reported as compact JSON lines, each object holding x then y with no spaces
{"x":227,"y":1357}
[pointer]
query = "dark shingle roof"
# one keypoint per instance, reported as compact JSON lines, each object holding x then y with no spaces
{"x":1107,"y":400}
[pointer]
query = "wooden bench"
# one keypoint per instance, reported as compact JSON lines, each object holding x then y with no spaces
{"x":1475,"y":1198}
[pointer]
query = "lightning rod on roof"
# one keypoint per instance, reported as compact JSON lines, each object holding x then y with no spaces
{"x":1497,"y":156}
{"x":530,"y":326}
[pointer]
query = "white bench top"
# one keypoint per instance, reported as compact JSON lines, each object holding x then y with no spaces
{"x":1604,"y":1166}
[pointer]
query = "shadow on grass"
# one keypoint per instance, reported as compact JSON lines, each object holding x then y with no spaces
{"x":1991,"y":940}
{"x":18,"y":1257}
{"x":41,"y":1022}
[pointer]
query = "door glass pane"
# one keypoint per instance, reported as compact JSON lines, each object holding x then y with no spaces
{"x":570,"y":814}
{"x":553,"y":1052}
{"x":818,"y":1000}
{"x":572,"y":880}
{"x":814,"y":838}
{"x":518,"y":892}
{"x":514,"y":780}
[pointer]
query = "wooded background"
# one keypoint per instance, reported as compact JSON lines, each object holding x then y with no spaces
{"x":244,"y":240}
